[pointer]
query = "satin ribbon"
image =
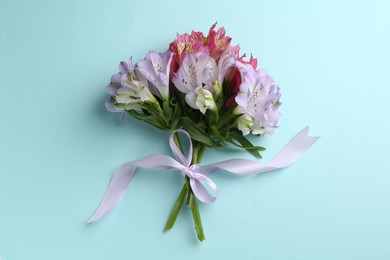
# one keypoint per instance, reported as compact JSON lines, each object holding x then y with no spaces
{"x":198,"y":175}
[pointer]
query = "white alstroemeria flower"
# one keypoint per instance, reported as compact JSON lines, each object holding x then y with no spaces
{"x":115,"y":83}
{"x":132,"y":94}
{"x":201,"y":99}
{"x":195,"y":78}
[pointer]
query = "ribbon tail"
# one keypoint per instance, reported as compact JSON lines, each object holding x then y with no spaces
{"x":294,"y":149}
{"x":122,"y":177}
{"x":115,"y":191}
{"x":290,"y":153}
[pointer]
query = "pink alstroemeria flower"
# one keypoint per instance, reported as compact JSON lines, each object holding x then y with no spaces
{"x":236,"y":50}
{"x":217,"y":41}
{"x":186,"y":43}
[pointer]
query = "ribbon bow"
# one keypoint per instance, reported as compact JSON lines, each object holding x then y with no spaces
{"x":198,"y":175}
{"x":197,"y":179}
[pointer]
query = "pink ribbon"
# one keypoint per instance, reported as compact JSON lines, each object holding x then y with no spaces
{"x":198,"y":175}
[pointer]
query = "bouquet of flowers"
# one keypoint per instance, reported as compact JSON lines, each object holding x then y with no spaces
{"x":205,"y":89}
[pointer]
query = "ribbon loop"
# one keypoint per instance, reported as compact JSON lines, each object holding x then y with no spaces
{"x":197,"y":184}
{"x":186,"y":161}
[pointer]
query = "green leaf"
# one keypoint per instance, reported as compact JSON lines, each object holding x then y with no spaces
{"x":246,"y":144}
{"x":228,"y":119}
{"x":150,"y":119}
{"x":202,"y":125}
{"x":256,"y":148}
{"x":225,"y":118}
{"x":135,"y":114}
{"x":176,"y":110}
{"x":174,"y":124}
{"x":233,"y":120}
{"x":167,"y":110}
{"x":217,"y":133}
{"x":154,"y":122}
{"x":196,"y":133}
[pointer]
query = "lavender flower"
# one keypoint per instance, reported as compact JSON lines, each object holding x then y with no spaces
{"x":155,"y":69}
{"x":127,"y":91}
{"x":225,"y":63}
{"x":133,"y":93}
{"x":115,"y":84}
{"x":195,"y":78}
{"x":258,"y":102}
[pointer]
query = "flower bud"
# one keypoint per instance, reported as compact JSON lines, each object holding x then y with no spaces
{"x":205,"y":100}
{"x":216,"y":89}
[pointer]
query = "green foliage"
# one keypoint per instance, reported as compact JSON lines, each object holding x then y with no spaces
{"x":196,"y":132}
{"x":213,"y":129}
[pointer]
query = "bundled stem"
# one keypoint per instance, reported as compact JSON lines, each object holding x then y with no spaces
{"x":176,"y":208}
{"x":191,"y":202}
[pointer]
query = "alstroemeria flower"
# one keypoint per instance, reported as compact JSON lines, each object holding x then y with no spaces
{"x":258,"y":101}
{"x":235,"y":83}
{"x":236,"y":51}
{"x":225,"y":68}
{"x":217,"y":42}
{"x":196,"y":72}
{"x":131,"y":95}
{"x":187,"y":43}
{"x":201,"y":99}
{"x":235,"y":74}
{"x":155,"y":68}
{"x":115,"y":84}
{"x":244,"y":122}
{"x":225,"y":63}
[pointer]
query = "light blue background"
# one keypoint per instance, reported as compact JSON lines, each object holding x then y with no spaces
{"x":59,"y":147}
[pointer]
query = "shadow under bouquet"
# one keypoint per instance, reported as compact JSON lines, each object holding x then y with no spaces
{"x":203,"y":88}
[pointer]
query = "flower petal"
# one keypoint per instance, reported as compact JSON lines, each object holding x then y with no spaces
{"x":191,"y":99}
{"x":155,"y":69}
{"x":110,"y":106}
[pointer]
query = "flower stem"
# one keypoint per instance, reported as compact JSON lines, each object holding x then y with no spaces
{"x":199,"y":150}
{"x":198,"y":221}
{"x":190,"y":194}
{"x":180,"y":199}
{"x":176,"y":209}
{"x":176,"y":139}
{"x":191,"y":202}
